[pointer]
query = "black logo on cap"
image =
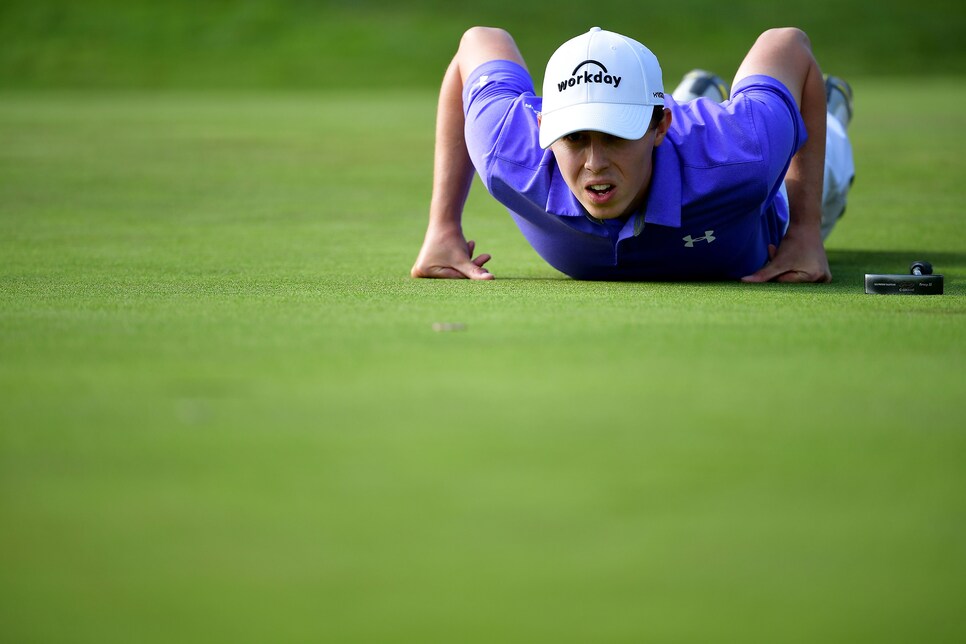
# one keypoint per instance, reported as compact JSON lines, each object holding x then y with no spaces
{"x":588,"y":78}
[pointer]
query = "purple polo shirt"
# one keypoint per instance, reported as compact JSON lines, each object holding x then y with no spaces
{"x":713,"y":204}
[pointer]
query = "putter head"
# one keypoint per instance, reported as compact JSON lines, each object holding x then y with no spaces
{"x":884,"y":284}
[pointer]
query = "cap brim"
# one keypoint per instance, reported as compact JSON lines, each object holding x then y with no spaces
{"x":617,"y":119}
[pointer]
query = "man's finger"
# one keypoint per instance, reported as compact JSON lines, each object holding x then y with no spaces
{"x":446,"y":272}
{"x":793,"y":277}
{"x":475,"y":272}
{"x":770,"y":273}
{"x":482,"y":259}
{"x":804,"y":277}
{"x":766,"y":274}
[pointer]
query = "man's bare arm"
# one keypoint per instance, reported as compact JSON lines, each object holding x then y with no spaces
{"x":445,"y":251}
{"x":786,"y":55}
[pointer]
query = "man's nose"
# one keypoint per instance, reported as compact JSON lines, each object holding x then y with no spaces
{"x":597,"y":159}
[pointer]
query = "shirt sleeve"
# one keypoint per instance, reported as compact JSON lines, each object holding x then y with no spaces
{"x":778,"y":124}
{"x":501,"y":110}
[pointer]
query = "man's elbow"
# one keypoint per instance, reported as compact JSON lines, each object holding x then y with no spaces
{"x":480,"y":36}
{"x":784,"y":37}
{"x":482,"y":44}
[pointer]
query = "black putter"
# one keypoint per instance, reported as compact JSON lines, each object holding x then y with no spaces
{"x":919,"y":281}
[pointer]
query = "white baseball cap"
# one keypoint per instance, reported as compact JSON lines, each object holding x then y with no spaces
{"x":600,"y":81}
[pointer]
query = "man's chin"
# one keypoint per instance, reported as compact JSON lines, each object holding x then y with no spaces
{"x":604,"y":213}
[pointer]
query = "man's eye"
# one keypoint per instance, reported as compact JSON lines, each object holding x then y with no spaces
{"x":574,"y":137}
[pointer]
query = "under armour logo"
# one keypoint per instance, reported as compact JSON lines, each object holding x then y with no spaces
{"x":708,"y":237}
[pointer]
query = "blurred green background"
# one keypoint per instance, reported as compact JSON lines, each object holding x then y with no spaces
{"x":387,"y":44}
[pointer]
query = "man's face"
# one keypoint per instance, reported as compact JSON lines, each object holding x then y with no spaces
{"x":609,"y":175}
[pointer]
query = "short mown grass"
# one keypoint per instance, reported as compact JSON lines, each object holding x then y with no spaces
{"x":225,"y":414}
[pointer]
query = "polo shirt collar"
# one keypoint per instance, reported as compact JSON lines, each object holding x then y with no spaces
{"x":664,"y":197}
{"x":560,"y":200}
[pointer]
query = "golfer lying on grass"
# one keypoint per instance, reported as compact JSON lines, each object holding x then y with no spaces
{"x":610,"y":179}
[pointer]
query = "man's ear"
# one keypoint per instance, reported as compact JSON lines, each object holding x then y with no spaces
{"x":662,"y":128}
{"x":539,"y":119}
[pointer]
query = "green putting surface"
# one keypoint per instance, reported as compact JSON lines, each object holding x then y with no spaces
{"x":225,"y":414}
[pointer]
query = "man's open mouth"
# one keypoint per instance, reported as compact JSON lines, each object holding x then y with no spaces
{"x":600,"y":193}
